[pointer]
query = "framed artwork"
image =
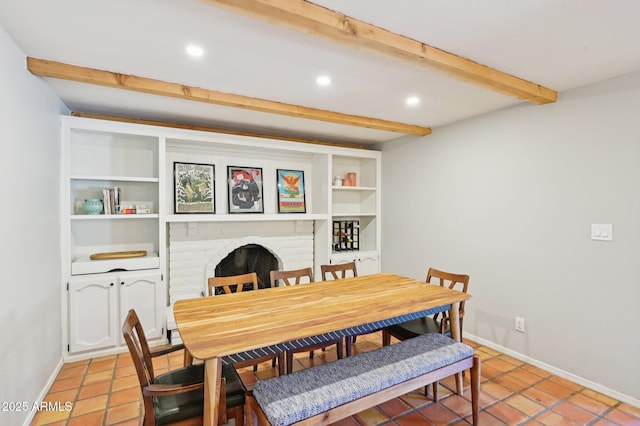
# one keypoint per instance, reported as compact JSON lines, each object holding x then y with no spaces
{"x":245,"y":189}
{"x":291,"y":198}
{"x":194,"y":188}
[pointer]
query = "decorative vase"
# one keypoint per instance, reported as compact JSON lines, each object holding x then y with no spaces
{"x":337,"y":181}
{"x":92,"y":206}
{"x":351,"y":176}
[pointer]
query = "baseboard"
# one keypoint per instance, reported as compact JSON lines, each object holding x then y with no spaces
{"x":558,"y":372}
{"x":44,"y":391}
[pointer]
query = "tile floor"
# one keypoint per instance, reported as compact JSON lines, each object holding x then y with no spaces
{"x":105,"y":391}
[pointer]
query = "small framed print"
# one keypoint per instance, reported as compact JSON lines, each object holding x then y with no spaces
{"x":194,"y":188}
{"x":245,"y":189}
{"x":291,"y":195}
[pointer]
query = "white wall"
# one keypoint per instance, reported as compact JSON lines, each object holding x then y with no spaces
{"x":30,"y":307}
{"x":509,"y":198}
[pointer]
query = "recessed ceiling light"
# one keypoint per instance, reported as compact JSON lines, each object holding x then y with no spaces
{"x":323,"y":80}
{"x":412,"y":100}
{"x":195,"y":51}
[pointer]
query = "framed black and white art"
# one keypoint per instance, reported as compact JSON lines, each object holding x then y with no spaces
{"x":245,"y":189}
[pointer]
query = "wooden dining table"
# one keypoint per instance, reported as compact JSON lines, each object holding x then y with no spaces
{"x":214,"y":327}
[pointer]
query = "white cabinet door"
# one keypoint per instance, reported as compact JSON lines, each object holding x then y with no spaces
{"x":93,"y":313}
{"x":367,"y":263}
{"x":143,"y":291}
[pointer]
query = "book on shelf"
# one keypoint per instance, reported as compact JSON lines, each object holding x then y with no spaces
{"x":113,"y":204}
{"x":106,"y":201}
{"x":111,"y":200}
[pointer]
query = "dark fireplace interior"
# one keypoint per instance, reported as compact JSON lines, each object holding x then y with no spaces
{"x":249,"y":258}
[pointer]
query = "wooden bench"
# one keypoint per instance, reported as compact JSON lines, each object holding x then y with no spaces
{"x":329,"y":392}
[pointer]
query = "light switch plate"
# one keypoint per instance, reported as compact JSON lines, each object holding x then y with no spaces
{"x":602,"y":231}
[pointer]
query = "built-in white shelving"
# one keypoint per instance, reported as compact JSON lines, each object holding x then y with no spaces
{"x":139,"y":159}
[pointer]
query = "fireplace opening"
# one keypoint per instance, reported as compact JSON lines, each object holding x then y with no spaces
{"x":249,"y":258}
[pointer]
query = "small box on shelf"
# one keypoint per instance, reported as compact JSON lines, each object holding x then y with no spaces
{"x":142,"y":209}
{"x":127,"y":209}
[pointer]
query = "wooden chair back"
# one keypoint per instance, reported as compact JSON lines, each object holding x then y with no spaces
{"x":338,"y":271}
{"x":233,"y":284}
{"x":458,"y":282}
{"x":288,"y":277}
{"x":138,"y":348}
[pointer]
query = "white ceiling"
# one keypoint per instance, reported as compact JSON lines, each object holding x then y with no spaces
{"x":560,"y":44}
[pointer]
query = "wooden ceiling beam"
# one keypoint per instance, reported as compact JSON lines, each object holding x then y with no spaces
{"x":45,"y":68}
{"x":311,"y":19}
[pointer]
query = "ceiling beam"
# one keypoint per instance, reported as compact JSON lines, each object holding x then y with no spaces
{"x":311,"y":19}
{"x":45,"y":68}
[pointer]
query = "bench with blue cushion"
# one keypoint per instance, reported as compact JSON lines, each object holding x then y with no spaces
{"x":329,"y":392}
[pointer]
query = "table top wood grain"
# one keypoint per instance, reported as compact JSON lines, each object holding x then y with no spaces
{"x":216,"y":326}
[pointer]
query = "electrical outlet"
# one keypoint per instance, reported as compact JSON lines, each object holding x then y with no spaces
{"x":519,"y":324}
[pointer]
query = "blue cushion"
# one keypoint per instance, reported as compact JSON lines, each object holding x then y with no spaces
{"x":303,"y":394}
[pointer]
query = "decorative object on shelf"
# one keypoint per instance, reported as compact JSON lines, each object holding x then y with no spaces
{"x":194,"y":188}
{"x":127,"y":209}
{"x":291,"y":195}
{"x":118,"y":255}
{"x":346,"y":235}
{"x":92,"y":206}
{"x":245,"y":189}
{"x":142,"y":209}
{"x":349,"y":179}
{"x":337,"y":181}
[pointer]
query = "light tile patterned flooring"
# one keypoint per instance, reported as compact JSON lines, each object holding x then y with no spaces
{"x":105,"y":391}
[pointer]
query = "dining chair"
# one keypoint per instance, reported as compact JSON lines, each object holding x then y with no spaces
{"x":179,"y":394}
{"x":236,"y":284}
{"x":439,"y":323}
{"x":338,"y":271}
{"x":297,"y":277}
{"x":233,"y":283}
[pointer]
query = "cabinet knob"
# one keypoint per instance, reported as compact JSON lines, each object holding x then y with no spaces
{"x":111,"y":284}
{"x":121,"y":282}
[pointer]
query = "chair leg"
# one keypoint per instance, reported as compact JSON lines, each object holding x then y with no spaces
{"x":386,"y":337}
{"x":348,"y":345}
{"x":282,"y":363}
{"x":340,"y":348}
{"x":188,"y":358}
{"x":289,"y":361}
{"x":238,"y":415}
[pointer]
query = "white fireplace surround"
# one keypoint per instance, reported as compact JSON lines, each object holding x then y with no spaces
{"x":196,"y":248}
